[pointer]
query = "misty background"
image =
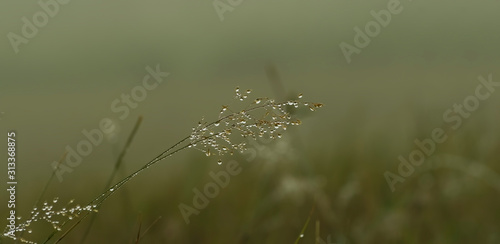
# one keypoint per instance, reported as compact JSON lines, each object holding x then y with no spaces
{"x":396,"y":90}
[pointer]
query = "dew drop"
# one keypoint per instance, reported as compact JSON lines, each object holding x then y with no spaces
{"x":219,"y":162}
{"x":300,"y":95}
{"x":112,"y":189}
{"x":301,"y":235}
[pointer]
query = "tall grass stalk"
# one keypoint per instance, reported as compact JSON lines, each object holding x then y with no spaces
{"x":262,"y":118}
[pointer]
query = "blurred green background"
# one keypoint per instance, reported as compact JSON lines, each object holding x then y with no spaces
{"x":329,"y":170}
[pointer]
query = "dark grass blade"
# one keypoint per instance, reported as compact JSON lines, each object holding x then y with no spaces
{"x":149,"y":227}
{"x":118,"y":163}
{"x":139,"y":231}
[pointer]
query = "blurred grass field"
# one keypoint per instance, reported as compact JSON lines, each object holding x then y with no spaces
{"x":335,"y":169}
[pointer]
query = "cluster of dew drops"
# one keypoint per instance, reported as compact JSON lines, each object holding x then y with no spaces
{"x":263,"y":117}
{"x":48,"y":213}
